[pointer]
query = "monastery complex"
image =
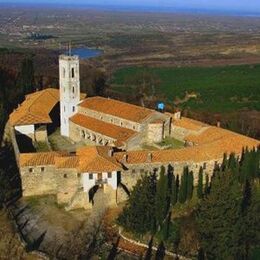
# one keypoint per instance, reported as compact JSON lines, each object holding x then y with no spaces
{"x":112,"y":135}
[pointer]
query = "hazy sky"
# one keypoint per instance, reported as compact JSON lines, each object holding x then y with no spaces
{"x":243,"y":5}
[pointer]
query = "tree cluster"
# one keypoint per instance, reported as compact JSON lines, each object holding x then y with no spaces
{"x":149,"y":207}
{"x":14,"y":86}
{"x":228,"y":217}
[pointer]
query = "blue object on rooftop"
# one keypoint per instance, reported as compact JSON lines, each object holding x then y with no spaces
{"x":161,"y":106}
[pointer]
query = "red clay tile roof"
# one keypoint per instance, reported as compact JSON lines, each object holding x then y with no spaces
{"x":200,"y":153}
{"x":212,"y":134}
{"x":189,"y":124}
{"x":38,"y":159}
{"x":116,"y":132}
{"x":87,"y":159}
{"x":69,"y":162}
{"x":36,"y":108}
{"x":97,"y":159}
{"x":117,"y":108}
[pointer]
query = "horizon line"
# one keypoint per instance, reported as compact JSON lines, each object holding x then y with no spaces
{"x":138,"y":8}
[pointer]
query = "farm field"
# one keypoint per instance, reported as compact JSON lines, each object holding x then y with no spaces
{"x":212,"y":89}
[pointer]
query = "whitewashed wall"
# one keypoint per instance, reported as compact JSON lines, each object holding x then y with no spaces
{"x":89,"y":183}
{"x":25,"y":129}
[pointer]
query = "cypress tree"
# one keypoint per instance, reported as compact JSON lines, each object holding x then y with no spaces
{"x":232,"y":161}
{"x":170,"y":178}
{"x":249,"y":220}
{"x":138,"y":215}
{"x":183,"y":185}
{"x":161,"y":197}
{"x":26,"y":76}
{"x":200,"y":184}
{"x":175,"y":190}
{"x":217,"y":218}
{"x":206,"y":188}
{"x":224,"y":162}
{"x":190,"y":181}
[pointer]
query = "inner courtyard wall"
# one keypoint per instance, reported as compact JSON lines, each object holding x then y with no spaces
{"x":38,"y":180}
{"x":111,"y":119}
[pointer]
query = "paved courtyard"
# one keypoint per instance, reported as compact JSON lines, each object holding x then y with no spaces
{"x":61,"y":143}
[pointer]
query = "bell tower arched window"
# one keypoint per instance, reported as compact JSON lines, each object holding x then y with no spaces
{"x":72,"y":73}
{"x":64,"y":73}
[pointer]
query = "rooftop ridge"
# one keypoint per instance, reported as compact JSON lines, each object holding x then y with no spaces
{"x":117,"y":108}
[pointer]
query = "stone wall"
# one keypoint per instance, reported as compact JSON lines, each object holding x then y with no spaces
{"x":68,"y":183}
{"x":130,"y":177}
{"x":135,"y":141}
{"x":79,"y":133}
{"x":111,"y":119}
{"x":40,"y":180}
{"x":155,"y":132}
{"x":41,"y":134}
{"x":11,"y":131}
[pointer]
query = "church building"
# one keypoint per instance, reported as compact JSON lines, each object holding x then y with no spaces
{"x":111,"y":134}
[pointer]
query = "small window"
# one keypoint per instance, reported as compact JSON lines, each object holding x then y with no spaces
{"x":65,"y":176}
{"x":121,"y":123}
{"x":204,"y":166}
{"x":91,"y":176}
{"x":109,"y":175}
{"x":30,"y":169}
{"x":134,"y":127}
{"x":66,"y":193}
{"x":78,"y":175}
{"x":73,"y":109}
{"x":111,"y":120}
{"x":42,"y":169}
{"x":72,"y":73}
{"x":73,"y":90}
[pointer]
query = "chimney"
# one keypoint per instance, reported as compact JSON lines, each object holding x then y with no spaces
{"x":110,"y":152}
{"x":125,"y":158}
{"x":149,"y":157}
{"x":177,"y":115}
{"x":218,"y":124}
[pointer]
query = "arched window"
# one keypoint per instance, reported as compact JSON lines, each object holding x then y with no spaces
{"x":73,"y":90}
{"x":72,"y":73}
{"x":73,"y":109}
{"x":64,"y":73}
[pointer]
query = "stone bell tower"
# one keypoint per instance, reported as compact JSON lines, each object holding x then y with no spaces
{"x":69,"y":90}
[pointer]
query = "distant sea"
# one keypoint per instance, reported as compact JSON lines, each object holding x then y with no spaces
{"x":124,"y":8}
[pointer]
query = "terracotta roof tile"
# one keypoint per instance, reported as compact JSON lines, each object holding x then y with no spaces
{"x":116,"y":132}
{"x":70,"y":162}
{"x":200,"y":153}
{"x":117,"y":108}
{"x":36,"y":108}
{"x":189,"y":124}
{"x":97,"y":159}
{"x":87,"y":159}
{"x":212,"y":133}
{"x":38,"y":159}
